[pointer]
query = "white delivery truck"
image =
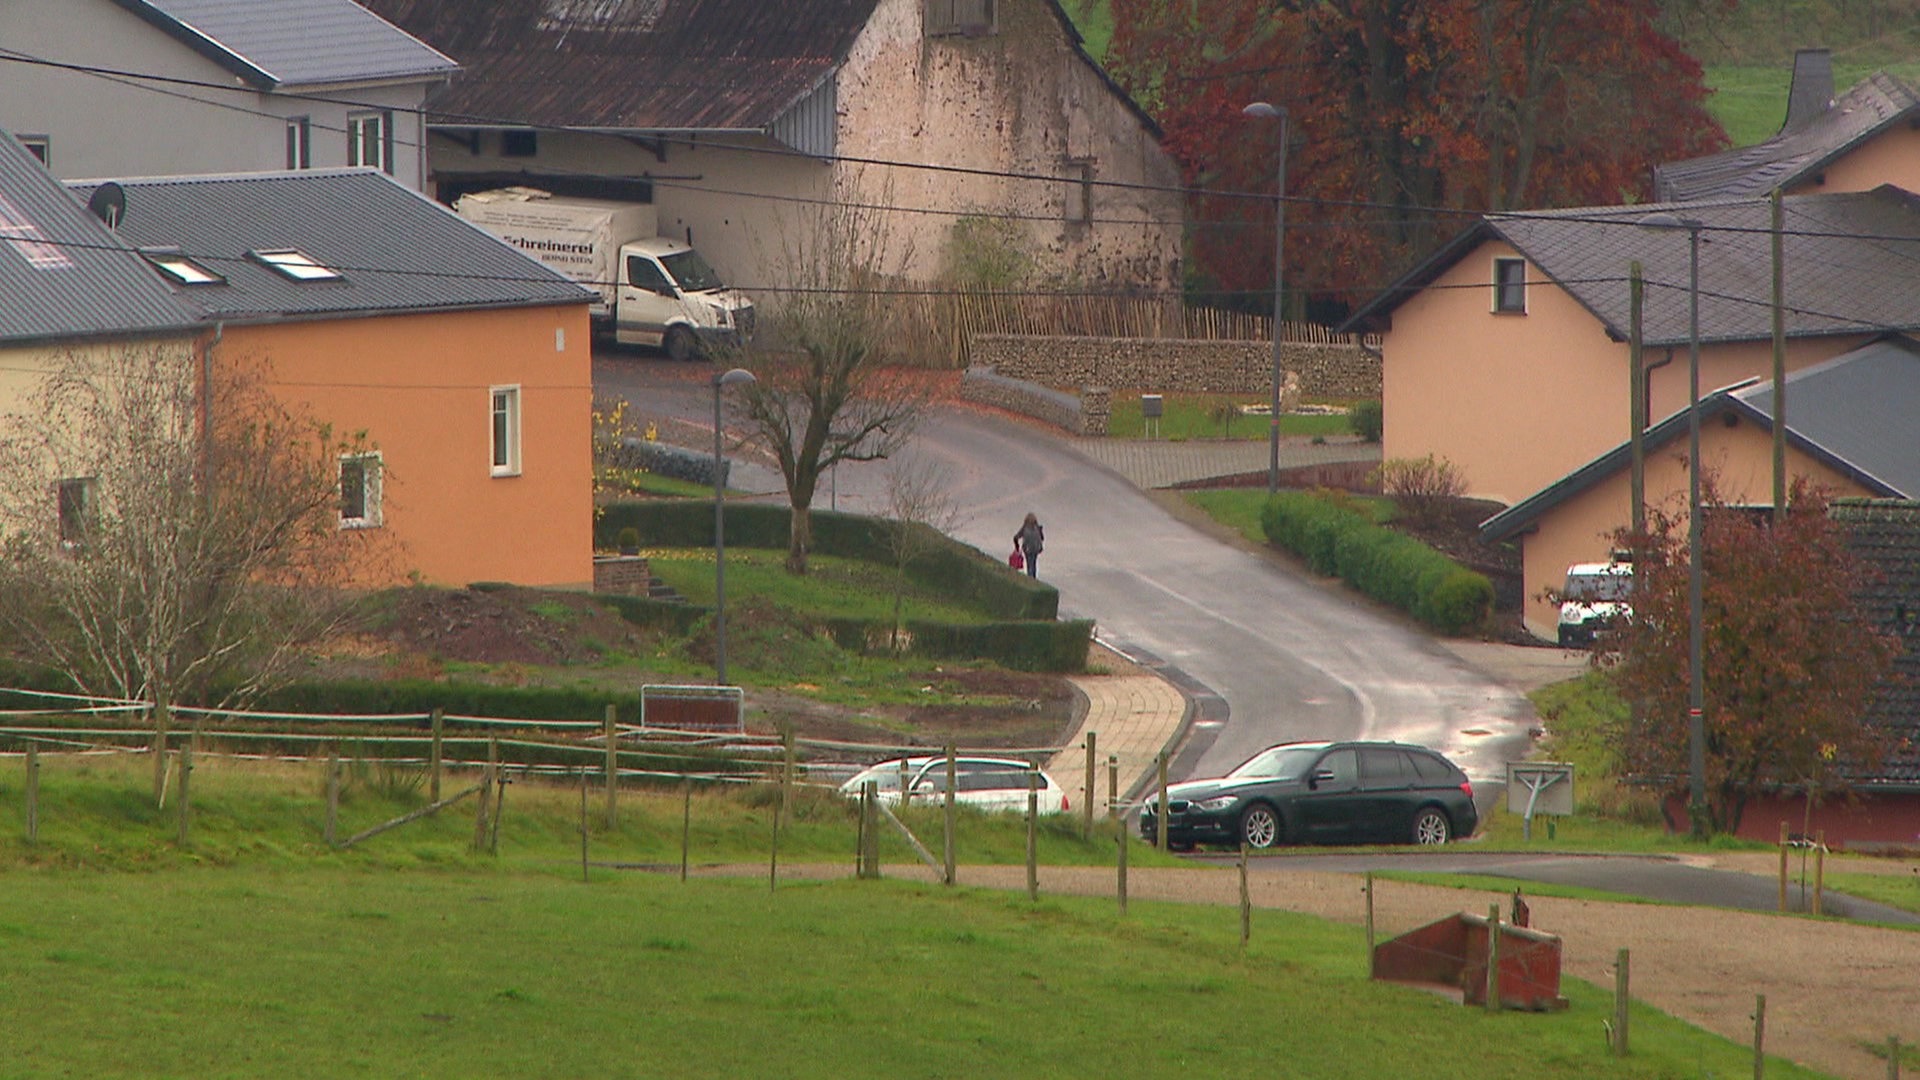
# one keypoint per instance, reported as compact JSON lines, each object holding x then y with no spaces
{"x":653,"y":291}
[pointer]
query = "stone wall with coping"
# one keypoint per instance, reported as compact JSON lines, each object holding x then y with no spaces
{"x":1084,"y":413}
{"x":1180,"y":366}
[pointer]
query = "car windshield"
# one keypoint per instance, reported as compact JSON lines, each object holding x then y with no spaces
{"x":691,"y":271}
{"x":1279,"y":763}
{"x":1610,"y":588}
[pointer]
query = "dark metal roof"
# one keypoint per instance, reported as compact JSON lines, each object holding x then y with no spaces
{"x":278,"y":43}
{"x":62,"y":274}
{"x":1802,"y":148}
{"x":1885,"y":534}
{"x":1851,"y":413}
{"x":631,"y":65}
{"x":397,"y":250}
{"x":1850,"y":259}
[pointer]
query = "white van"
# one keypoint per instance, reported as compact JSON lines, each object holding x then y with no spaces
{"x":1594,"y":597}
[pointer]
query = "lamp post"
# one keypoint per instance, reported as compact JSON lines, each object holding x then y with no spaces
{"x":735,"y":377}
{"x":1696,"y":678}
{"x":1262,"y":110}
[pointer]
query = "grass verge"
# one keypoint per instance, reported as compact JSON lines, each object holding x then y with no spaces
{"x":1215,"y":416}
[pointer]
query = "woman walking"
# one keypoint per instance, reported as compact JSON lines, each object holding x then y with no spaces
{"x":1030,"y":540}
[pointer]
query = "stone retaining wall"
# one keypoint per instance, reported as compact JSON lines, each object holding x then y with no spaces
{"x":1183,"y":366}
{"x":1084,"y":414}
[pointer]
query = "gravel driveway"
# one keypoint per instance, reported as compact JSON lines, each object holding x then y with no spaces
{"x":1831,"y":987}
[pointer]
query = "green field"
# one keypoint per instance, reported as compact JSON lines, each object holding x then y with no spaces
{"x":1215,"y":416}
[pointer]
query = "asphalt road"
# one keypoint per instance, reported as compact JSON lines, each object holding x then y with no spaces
{"x":1282,"y":657}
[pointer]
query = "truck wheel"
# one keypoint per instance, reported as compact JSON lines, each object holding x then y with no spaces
{"x":680,"y":345}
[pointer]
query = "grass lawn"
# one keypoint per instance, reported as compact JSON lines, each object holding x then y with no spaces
{"x":832,"y":586}
{"x":331,"y":971}
{"x":1751,"y":101}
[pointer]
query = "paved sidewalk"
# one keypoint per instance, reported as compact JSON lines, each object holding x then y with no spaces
{"x":1133,"y":717}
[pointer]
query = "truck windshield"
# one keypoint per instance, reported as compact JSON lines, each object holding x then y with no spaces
{"x":692,"y":272}
{"x":1598,"y":588}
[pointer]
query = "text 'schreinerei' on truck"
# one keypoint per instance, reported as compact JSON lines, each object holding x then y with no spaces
{"x":652,"y":290}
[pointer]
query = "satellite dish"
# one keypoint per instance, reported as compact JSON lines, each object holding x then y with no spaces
{"x":109,"y":204}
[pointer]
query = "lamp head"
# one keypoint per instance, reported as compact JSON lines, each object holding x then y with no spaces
{"x":733,"y":377}
{"x":1262,"y":111}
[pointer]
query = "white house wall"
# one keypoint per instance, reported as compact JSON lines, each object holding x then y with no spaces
{"x":101,"y":127}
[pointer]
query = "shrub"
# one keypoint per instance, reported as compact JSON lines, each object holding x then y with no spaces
{"x":1420,"y":487}
{"x":1367,"y":420}
{"x":1387,"y":566}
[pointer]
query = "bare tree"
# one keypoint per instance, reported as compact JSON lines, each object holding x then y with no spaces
{"x":827,"y":396}
{"x":172,"y":531}
{"x":922,"y":512}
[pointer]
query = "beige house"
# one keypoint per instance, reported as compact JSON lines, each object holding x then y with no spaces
{"x":1849,"y":430}
{"x":981,"y":118}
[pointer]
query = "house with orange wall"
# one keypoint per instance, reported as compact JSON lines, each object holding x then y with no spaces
{"x":376,"y":310}
{"x":1865,"y":137}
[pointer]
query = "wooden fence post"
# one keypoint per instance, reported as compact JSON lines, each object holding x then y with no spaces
{"x":1120,"y":836}
{"x":1620,"y":1000}
{"x":499,"y":813}
{"x":583,"y":826}
{"x":160,"y":760}
{"x":1086,"y":829}
{"x":433,"y":768}
{"x":1783,"y":867}
{"x":1493,"y":958}
{"x":1246,"y":900}
{"x":1166,"y":812}
{"x":1033,"y":834}
{"x":1113,"y":786}
{"x":1759,"y":1036}
{"x":613,"y":771}
{"x":186,"y":801}
{"x":33,"y":793}
{"x":1819,"y":870}
{"x":1893,"y":1057}
{"x":333,"y":796}
{"x":949,"y":822}
{"x":1367,"y":887}
{"x":480,"y":810}
{"x":686,"y":821}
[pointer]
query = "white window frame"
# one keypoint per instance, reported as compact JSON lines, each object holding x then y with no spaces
{"x":40,"y":146}
{"x":181,"y":269}
{"x":73,"y":513}
{"x":295,"y":265}
{"x":503,"y":430}
{"x":1509,"y":296}
{"x":372,"y":484}
{"x":370,"y":140}
{"x":299,"y":142}
{"x":1077,"y":208}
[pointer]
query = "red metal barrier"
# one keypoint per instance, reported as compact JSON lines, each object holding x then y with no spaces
{"x":1453,"y":953}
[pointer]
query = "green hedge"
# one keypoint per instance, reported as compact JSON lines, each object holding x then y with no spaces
{"x":1051,"y":646}
{"x":950,"y":567}
{"x":1384,"y":564}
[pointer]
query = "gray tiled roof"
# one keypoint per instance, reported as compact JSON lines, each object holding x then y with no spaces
{"x":1796,"y":153}
{"x":1850,"y":264}
{"x":1850,"y":413}
{"x":62,"y":274}
{"x":1860,"y":408}
{"x":1885,"y":533}
{"x":277,"y":43}
{"x":398,"y":250}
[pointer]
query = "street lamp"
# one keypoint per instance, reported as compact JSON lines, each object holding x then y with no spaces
{"x":735,"y":377}
{"x":1696,"y":679}
{"x":1262,"y":110}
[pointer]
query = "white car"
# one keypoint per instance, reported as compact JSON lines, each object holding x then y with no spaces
{"x":1595,"y":596}
{"x":984,"y":783}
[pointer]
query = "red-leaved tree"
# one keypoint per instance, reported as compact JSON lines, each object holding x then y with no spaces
{"x":1790,"y":664}
{"x":1402,"y":110}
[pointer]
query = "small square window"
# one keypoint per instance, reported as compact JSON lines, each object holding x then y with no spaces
{"x":40,"y":146}
{"x":182,"y":269}
{"x":519,"y":143}
{"x":370,"y":140}
{"x":296,"y":265}
{"x":1510,"y":286}
{"x":506,"y":431}
{"x":1078,"y":199}
{"x":75,"y":497}
{"x":360,"y":484}
{"x":972,"y":18}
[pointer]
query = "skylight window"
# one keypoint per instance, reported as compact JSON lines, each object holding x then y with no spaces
{"x":182,"y":268}
{"x":296,"y":265}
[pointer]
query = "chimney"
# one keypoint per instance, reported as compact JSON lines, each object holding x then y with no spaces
{"x":1812,"y":92}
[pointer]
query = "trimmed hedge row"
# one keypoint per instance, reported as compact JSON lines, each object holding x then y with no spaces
{"x":950,"y":567}
{"x":1385,"y":565}
{"x":1024,"y":646}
